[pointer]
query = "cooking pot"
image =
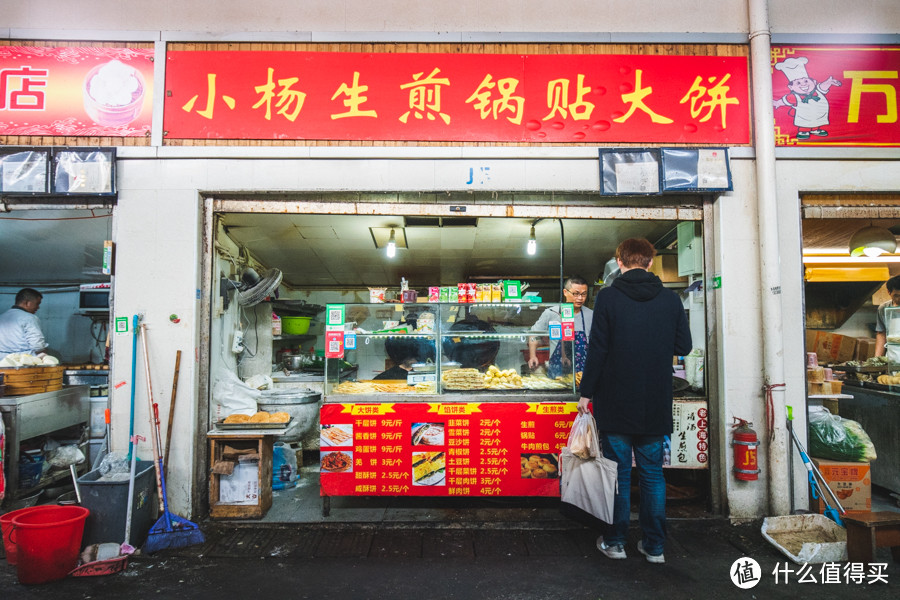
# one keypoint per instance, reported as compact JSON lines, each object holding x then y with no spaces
{"x":302,"y":404}
{"x":293,"y":362}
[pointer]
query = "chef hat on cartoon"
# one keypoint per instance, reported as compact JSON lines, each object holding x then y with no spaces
{"x":793,"y":68}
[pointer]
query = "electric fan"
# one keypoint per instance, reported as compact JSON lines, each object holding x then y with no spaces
{"x":255,"y":288}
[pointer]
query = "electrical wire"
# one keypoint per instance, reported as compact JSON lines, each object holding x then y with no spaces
{"x":98,"y":334}
{"x":562,"y":259}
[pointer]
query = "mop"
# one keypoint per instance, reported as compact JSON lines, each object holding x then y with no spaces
{"x":170,"y":531}
{"x":830,"y":511}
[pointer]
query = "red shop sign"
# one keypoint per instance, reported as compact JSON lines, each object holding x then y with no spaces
{"x":836,"y":95}
{"x":457,"y":97}
{"x":104,"y":92}
{"x":443,"y":449}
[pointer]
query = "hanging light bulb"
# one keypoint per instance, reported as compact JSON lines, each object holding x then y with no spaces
{"x":391,"y":245}
{"x":532,"y":243}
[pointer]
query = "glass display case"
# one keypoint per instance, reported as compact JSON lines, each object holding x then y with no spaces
{"x":892,"y":337}
{"x":459,"y":351}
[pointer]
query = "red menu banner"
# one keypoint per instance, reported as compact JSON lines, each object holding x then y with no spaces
{"x":457,"y":97}
{"x":443,"y":449}
{"x":104,"y":92}
{"x":836,"y":95}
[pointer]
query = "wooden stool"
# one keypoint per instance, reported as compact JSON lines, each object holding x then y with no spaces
{"x":868,"y":531}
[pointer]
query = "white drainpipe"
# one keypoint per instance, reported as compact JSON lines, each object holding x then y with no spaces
{"x":774,"y":439}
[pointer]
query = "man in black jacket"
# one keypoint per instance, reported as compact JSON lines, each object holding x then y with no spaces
{"x":638,"y":327}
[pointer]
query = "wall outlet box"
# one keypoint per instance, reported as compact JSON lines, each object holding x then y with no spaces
{"x":237,"y":344}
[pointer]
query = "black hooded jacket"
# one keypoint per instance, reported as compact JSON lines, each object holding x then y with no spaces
{"x":638,"y":327}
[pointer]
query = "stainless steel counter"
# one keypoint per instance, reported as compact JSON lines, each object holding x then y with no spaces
{"x":26,"y":417}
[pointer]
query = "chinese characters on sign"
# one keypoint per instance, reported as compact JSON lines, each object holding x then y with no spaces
{"x":836,"y":95}
{"x":457,"y":97}
{"x":689,"y":447}
{"x":75,"y":91}
{"x":443,"y":449}
{"x":461,"y":449}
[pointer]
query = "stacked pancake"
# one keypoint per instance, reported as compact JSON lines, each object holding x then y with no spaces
{"x":463,"y":379}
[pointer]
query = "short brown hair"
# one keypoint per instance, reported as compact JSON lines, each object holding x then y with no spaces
{"x":635,"y":252}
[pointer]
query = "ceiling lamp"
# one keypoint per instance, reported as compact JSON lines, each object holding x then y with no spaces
{"x":532,"y":243}
{"x":872,"y":241}
{"x":391,"y":245}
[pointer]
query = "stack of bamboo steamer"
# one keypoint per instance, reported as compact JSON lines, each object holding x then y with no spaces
{"x":20,"y":381}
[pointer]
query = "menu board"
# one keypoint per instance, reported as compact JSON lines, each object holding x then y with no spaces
{"x":443,"y":449}
{"x":468,"y":448}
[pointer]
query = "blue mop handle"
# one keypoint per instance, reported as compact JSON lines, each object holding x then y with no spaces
{"x":134,"y":340}
{"x":165,"y":497}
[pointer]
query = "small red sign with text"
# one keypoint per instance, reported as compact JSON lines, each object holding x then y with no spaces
{"x":104,"y":92}
{"x":835,"y":95}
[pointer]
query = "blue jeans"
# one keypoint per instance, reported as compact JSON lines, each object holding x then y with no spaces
{"x":648,"y":458}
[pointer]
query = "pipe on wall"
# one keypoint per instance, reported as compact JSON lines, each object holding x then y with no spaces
{"x":774,"y":433}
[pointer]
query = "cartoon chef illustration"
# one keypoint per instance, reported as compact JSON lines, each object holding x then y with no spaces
{"x":806,"y":99}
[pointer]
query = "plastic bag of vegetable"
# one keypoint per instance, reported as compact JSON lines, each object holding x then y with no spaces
{"x":835,"y":438}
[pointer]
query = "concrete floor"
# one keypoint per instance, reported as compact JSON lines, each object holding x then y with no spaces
{"x":303,"y":504}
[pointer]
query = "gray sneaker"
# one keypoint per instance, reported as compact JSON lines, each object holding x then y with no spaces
{"x":615,"y":552}
{"x":651,"y":558}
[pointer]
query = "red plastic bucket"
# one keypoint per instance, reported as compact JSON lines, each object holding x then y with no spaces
{"x":48,"y":542}
{"x":6,"y":527}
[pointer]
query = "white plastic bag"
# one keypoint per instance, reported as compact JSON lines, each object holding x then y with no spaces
{"x":231,"y":396}
{"x":693,"y":369}
{"x":583,"y":440}
{"x":67,"y":455}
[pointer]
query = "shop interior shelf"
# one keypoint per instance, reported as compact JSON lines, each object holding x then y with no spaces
{"x":50,"y":478}
{"x":293,"y":337}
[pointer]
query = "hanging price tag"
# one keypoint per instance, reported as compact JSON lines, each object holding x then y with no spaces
{"x":334,"y":344}
{"x":568,"y":331}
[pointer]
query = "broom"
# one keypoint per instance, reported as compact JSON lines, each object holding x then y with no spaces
{"x":170,"y":531}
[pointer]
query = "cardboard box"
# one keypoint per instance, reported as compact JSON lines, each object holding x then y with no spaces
{"x":818,"y":389}
{"x":832,"y":404}
{"x":865,"y":348}
{"x":830,"y":347}
{"x":850,"y":481}
{"x":665,"y":266}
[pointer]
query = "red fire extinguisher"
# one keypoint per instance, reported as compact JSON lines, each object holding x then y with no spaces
{"x":745,"y":441}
